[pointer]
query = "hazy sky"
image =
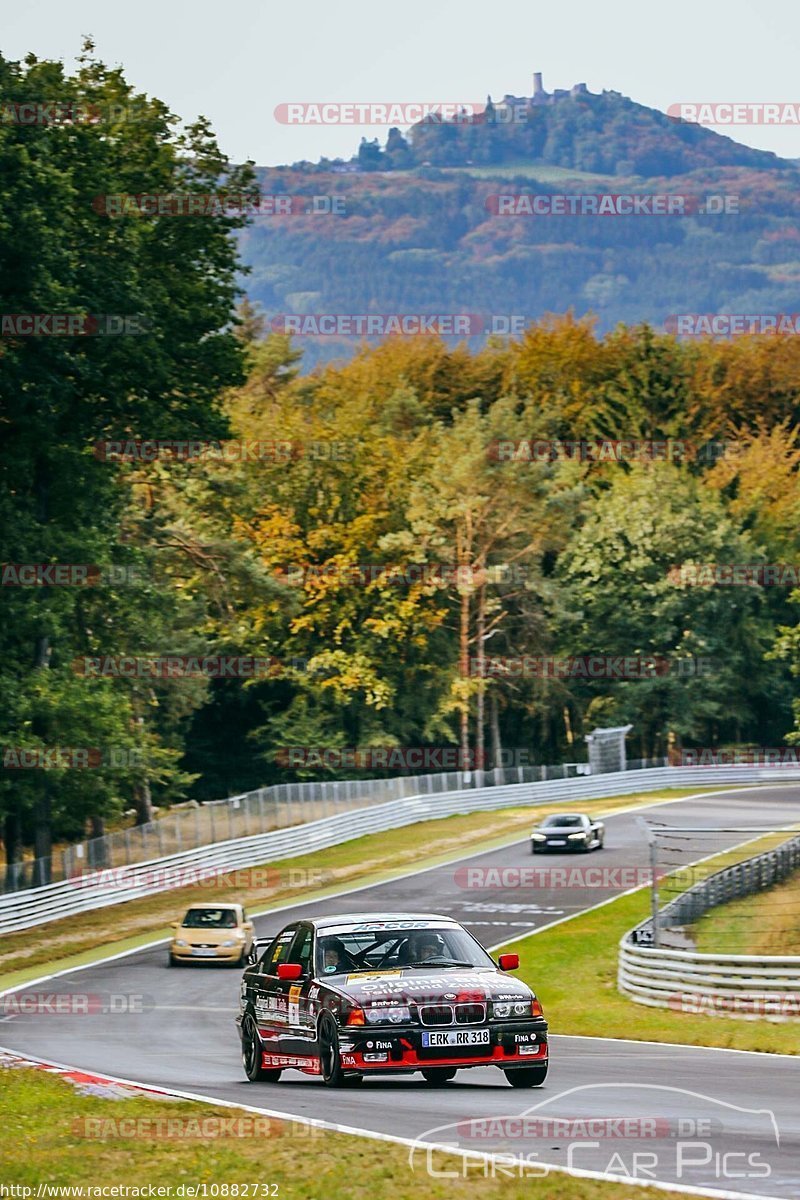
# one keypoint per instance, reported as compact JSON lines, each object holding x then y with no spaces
{"x":235,"y":62}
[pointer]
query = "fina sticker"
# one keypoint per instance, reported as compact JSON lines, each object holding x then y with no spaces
{"x":371,"y":975}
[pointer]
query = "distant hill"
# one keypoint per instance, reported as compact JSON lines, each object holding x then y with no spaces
{"x":605,"y":133}
{"x":420,"y":230}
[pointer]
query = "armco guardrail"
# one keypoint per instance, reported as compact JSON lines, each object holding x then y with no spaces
{"x":21,"y":910}
{"x":736,"y":985}
{"x":187,"y":827}
{"x":729,"y":985}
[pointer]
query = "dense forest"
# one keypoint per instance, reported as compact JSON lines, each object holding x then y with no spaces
{"x":385,"y":539}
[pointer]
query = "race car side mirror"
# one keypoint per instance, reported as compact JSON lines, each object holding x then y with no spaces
{"x":508,"y":962}
{"x":289,"y":970}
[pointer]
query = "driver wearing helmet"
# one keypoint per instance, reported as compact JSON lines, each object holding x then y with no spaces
{"x":423,"y":946}
{"x":334,"y":957}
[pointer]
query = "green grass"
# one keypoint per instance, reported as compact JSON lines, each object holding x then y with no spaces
{"x":766,"y":923}
{"x":43,"y":1139}
{"x":573,"y":969}
{"x":371,"y":859}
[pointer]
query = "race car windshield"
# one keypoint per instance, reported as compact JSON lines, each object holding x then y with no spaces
{"x":382,"y":949}
{"x":209,"y":918}
{"x":563,"y":822}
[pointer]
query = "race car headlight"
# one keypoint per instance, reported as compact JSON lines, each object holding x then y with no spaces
{"x":538,"y":837}
{"x":181,"y":942}
{"x":395,"y":1015}
{"x":516,"y":1008}
{"x":230,"y":942}
{"x":576,"y":837}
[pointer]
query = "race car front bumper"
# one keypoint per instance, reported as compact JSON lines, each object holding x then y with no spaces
{"x":511,"y":1044}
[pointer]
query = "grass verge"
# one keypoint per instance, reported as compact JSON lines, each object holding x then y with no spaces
{"x":362,"y":861}
{"x":766,"y":923}
{"x":573,"y":969}
{"x":44,"y":1126}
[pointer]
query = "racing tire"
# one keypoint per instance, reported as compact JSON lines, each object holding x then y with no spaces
{"x":240,"y":962}
{"x":601,"y":842}
{"x":172,"y":961}
{"x":520,"y":1077}
{"x":330,"y":1059}
{"x":534,"y":848}
{"x":437,"y":1076}
{"x":251,"y":1054}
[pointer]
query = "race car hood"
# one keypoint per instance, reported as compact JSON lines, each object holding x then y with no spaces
{"x":429,"y":986}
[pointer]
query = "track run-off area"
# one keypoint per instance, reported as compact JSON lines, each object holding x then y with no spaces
{"x":691,"y":1117}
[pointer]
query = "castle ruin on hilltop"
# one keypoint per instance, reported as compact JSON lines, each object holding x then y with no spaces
{"x":540,"y":97}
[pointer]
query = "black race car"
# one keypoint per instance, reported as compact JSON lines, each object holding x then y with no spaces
{"x":355,"y":995}
{"x":568,"y":831}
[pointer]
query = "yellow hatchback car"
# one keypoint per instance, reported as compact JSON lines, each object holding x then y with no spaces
{"x":212,"y":933}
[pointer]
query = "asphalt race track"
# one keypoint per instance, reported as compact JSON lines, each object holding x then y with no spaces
{"x":708,"y":1118}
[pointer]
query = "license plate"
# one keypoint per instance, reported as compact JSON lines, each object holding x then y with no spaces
{"x":456,"y":1037}
{"x":202,"y":952}
{"x":557,"y":842}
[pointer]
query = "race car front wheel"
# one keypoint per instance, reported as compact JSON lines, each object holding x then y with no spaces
{"x":527,"y":1076}
{"x":439,"y":1075}
{"x":329,"y":1056}
{"x":251,"y":1054}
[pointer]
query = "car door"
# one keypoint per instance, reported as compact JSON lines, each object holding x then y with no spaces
{"x":301,"y":1024}
{"x":270,"y":1001}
